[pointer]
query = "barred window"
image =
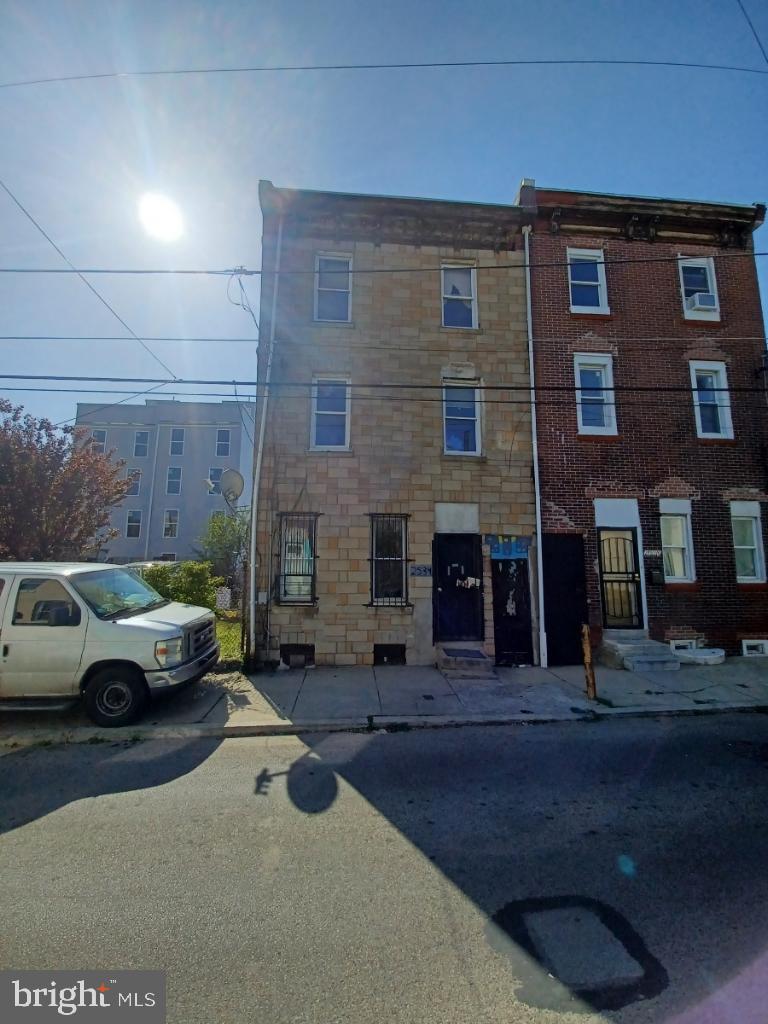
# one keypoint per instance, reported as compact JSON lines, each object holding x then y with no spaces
{"x":389,"y":559}
{"x":297,"y":558}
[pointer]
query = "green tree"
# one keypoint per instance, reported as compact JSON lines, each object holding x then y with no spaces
{"x":56,"y":492}
{"x":187,"y":582}
{"x":224,"y":544}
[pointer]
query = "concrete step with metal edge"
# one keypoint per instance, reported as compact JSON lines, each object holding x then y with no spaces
{"x":634,"y":651}
{"x":468,"y":661}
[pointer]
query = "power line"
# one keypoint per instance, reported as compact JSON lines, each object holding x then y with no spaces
{"x":110,"y":405}
{"x":85,"y":281}
{"x":400,"y":66}
{"x":391,"y":386}
{"x":245,"y":272}
{"x":754,"y":30}
{"x":99,"y":337}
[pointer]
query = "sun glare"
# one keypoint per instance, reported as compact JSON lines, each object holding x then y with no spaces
{"x":160,"y":217}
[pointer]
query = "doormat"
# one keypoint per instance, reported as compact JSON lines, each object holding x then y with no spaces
{"x":457,"y":652}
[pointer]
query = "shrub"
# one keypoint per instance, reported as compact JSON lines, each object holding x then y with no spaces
{"x":187,"y":582}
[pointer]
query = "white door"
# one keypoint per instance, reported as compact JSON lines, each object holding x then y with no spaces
{"x":36,"y":658}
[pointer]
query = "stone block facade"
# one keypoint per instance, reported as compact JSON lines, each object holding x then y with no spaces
{"x":395,"y":354}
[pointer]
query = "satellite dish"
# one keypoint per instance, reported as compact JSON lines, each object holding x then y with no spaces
{"x":232,"y":484}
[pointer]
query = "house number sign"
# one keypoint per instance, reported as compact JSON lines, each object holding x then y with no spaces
{"x":421,"y":570}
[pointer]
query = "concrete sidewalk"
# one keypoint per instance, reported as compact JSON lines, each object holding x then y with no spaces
{"x":325,"y":698}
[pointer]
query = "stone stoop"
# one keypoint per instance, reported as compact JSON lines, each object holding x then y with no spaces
{"x":464,"y":661}
{"x":634,"y":651}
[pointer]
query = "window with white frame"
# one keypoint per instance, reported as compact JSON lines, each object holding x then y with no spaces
{"x":135,"y":479}
{"x":595,"y":402}
{"x":133,"y":523}
{"x":223,"y":439}
{"x":330,"y":414}
{"x":677,"y":540}
{"x":333,"y":287}
{"x":586,"y":280}
{"x":99,"y":441}
{"x":173,"y":480}
{"x":698,"y":288}
{"x":177,"y":441}
{"x":461,"y":419}
{"x":214,"y":479}
{"x":459,"y":290}
{"x":297,"y":558}
{"x":711,"y":401}
{"x":748,"y":549}
{"x":140,"y":444}
{"x":171,"y":523}
{"x":389,"y":559}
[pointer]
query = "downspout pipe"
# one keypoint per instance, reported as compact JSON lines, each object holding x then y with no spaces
{"x":543,"y":658}
{"x":259,"y":451}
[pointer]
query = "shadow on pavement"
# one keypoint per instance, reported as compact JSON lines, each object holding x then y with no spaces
{"x":33,"y":784}
{"x":615,"y":842}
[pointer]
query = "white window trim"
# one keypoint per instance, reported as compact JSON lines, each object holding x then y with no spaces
{"x":469,"y":385}
{"x":129,"y":512}
{"x":723,"y":397}
{"x":604,"y":362}
{"x":102,"y":445}
{"x":228,"y":443}
{"x":146,"y":454}
{"x":699,"y":261}
{"x":473,"y":297}
{"x":680,"y":507}
{"x":211,"y":492}
{"x":596,"y":256}
{"x":297,"y":598}
{"x":167,"y":480}
{"x":165,"y":523}
{"x":313,"y":446}
{"x":751,"y":510}
{"x":171,"y":453}
{"x":333,"y":256}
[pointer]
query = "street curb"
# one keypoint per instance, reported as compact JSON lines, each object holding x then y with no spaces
{"x":369,"y":723}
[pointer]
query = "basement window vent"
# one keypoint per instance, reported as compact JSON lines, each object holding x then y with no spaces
{"x":683,"y":645}
{"x":389,"y":654}
{"x":754,"y":648}
{"x":297,"y":655}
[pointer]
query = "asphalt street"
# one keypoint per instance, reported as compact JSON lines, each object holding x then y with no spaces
{"x":616,"y":870}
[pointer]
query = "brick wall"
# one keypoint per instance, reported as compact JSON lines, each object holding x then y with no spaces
{"x":656,"y":453}
{"x":396,"y":463}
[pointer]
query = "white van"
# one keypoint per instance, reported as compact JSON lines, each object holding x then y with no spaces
{"x":117,"y":641}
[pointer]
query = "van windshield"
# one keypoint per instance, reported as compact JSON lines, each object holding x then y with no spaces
{"x":112,"y":593}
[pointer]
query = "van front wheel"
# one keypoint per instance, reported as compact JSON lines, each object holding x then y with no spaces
{"x":115,"y":696}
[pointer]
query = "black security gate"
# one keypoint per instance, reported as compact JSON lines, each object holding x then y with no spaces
{"x":512,"y":611}
{"x":620,"y":579}
{"x":565,"y":596}
{"x":458,"y":586}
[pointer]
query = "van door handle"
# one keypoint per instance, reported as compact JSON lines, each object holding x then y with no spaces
{"x":5,"y":650}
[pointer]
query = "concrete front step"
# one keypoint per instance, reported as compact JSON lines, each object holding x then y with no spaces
{"x":633,"y":650}
{"x":464,"y":661}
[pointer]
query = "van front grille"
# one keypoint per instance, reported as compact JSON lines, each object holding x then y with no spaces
{"x":199,"y":637}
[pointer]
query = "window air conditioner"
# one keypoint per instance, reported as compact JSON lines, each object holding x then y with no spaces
{"x":702,"y":301}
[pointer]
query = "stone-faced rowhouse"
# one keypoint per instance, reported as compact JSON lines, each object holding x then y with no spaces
{"x":396,"y":507}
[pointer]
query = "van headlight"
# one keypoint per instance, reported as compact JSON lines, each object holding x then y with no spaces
{"x":169,"y":652}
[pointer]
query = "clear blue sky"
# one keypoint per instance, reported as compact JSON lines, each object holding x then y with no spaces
{"x":78,"y":155}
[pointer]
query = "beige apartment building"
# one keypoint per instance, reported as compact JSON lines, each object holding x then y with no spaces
{"x":396,"y":506}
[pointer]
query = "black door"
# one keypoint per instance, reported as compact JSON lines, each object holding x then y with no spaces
{"x":512,"y":611}
{"x":620,"y":579}
{"x":565,"y":596}
{"x":458,"y":586}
